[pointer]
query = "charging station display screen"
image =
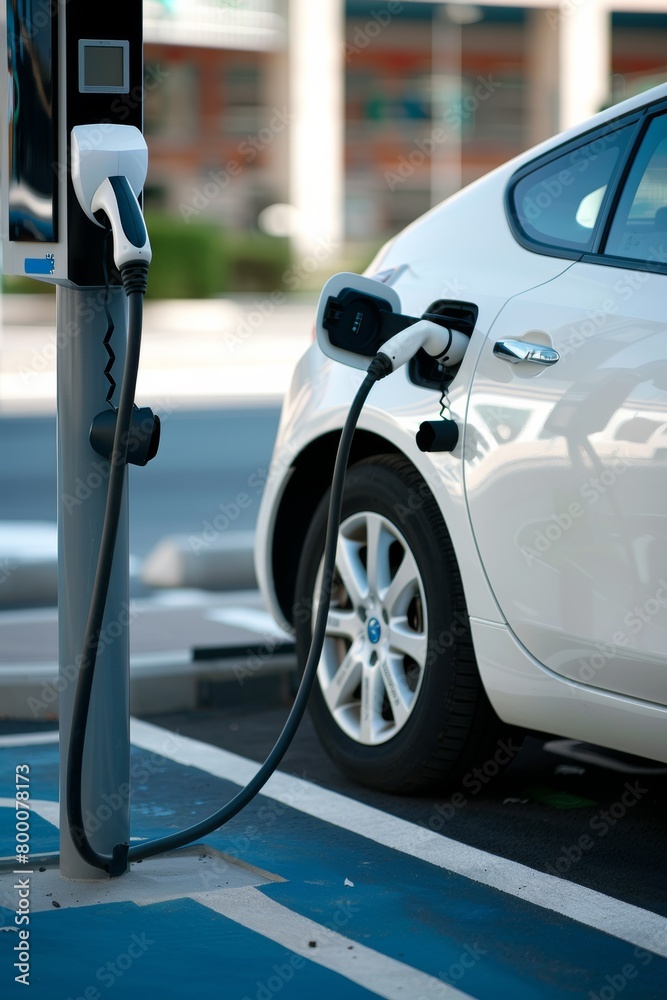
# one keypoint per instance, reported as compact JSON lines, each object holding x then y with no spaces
{"x":103,"y":67}
{"x":32,"y":143}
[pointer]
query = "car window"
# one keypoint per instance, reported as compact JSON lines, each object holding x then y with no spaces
{"x":559,"y":203}
{"x":639,"y":228}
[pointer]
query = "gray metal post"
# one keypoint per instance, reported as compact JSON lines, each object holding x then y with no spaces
{"x":82,"y":490}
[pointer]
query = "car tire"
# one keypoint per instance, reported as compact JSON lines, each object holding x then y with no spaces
{"x":398,"y":703}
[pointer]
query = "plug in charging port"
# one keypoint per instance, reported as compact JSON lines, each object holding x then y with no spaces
{"x":424,"y":370}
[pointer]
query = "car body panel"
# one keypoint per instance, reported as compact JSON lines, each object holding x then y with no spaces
{"x":524,"y":693}
{"x":321,"y":391}
{"x":533,"y":444}
{"x":568,"y":508}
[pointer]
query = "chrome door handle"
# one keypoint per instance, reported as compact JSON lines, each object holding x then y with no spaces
{"x":515,"y":351}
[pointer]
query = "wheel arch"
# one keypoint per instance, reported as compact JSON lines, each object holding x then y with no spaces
{"x":309,"y":481}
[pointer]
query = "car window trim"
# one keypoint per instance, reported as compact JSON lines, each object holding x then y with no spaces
{"x":638,"y":119}
{"x":617,"y":260}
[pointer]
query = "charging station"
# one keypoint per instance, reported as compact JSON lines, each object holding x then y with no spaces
{"x":74,"y":162}
{"x":70,"y":64}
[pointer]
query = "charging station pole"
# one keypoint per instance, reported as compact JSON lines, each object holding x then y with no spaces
{"x":82,"y":490}
{"x":78,"y":64}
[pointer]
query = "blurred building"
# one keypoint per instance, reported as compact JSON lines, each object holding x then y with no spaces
{"x":370,"y":112}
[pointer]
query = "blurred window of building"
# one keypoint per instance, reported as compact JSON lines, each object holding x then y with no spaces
{"x":172,"y":99}
{"x":243,"y":92}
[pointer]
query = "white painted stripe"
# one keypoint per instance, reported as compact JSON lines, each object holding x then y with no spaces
{"x":594,"y":909}
{"x":576,"y":750}
{"x":29,"y":616}
{"x":50,"y":811}
{"x":29,"y":739}
{"x":145,"y":665}
{"x":386,"y":977}
{"x":250,"y":619}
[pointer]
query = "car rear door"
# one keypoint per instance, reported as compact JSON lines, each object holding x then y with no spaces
{"x":569,"y":502}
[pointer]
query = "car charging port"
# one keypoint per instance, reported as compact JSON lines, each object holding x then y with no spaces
{"x":425,"y":370}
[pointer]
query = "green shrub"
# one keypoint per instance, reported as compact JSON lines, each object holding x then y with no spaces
{"x":14,"y":284}
{"x":199,"y":260}
{"x":189,"y":261}
{"x":257,"y":263}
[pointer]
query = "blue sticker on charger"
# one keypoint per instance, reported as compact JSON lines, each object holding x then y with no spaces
{"x":41,"y":265}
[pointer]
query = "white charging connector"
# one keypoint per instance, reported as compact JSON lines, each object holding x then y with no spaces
{"x":118,"y":201}
{"x":447,"y":346}
{"x":109,"y":167}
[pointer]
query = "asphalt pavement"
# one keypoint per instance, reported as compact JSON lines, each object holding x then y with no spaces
{"x":207,"y":460}
{"x":551,"y":799}
{"x":536,"y":880}
{"x":215,"y":371}
{"x":306,"y":893}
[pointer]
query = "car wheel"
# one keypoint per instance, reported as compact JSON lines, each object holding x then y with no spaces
{"x":398,"y":703}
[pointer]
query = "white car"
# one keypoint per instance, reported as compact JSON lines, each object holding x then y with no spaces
{"x":519,"y":581}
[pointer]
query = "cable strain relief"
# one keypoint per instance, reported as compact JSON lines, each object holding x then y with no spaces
{"x":118,"y":865}
{"x":135,"y":277}
{"x":380,"y":366}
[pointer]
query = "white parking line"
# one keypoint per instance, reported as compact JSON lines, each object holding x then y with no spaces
{"x":29,"y":739}
{"x":383,"y":976}
{"x":594,"y":909}
{"x":50,"y":811}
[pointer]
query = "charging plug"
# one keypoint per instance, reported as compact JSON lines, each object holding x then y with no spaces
{"x":445,"y":345}
{"x":109,"y":166}
{"x":116,"y":200}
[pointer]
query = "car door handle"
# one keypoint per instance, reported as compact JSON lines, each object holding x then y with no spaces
{"x":515,"y":351}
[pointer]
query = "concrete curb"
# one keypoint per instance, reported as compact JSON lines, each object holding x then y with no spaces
{"x":159,"y":682}
{"x":29,"y":563}
{"x":225,"y":562}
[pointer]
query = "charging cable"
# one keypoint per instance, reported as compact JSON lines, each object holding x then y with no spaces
{"x":134,"y":280}
{"x":118,"y":203}
{"x":116,"y":863}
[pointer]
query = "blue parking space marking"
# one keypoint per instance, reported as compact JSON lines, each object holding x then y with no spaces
{"x":484,"y":942}
{"x":43,"y":835}
{"x":576,"y":902}
{"x":175,"y":950}
{"x":477,"y":938}
{"x":42,"y":759}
